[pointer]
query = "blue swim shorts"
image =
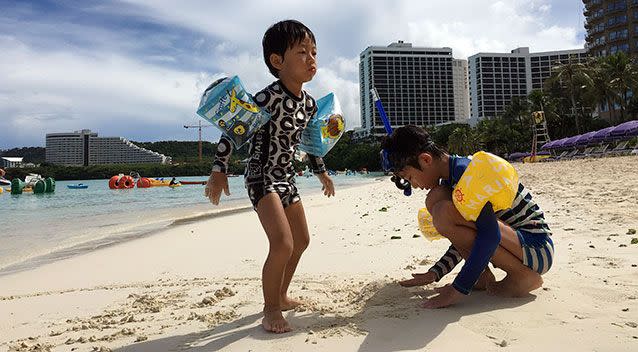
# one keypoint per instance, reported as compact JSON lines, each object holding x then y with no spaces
{"x":538,"y":250}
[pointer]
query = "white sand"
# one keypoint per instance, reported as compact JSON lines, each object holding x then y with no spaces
{"x":196,"y":286}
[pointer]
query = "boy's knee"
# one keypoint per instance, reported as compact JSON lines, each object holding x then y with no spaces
{"x":436,"y":195}
{"x":441,"y":216}
{"x":301,"y":244}
{"x":282,"y":247}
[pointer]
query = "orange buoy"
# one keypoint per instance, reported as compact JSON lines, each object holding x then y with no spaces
{"x":114,"y":182}
{"x":143,"y":182}
{"x":126,"y":182}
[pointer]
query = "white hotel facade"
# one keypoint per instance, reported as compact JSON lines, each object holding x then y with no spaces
{"x":83,"y":148}
{"x":417,"y":85}
{"x":496,"y":78}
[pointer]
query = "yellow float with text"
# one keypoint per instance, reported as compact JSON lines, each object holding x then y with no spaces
{"x":487,"y":178}
{"x":427,"y":227}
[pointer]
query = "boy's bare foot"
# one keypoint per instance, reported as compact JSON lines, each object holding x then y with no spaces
{"x":515,"y":286}
{"x":288,"y":303}
{"x":275,"y":322}
{"x":486,"y":278}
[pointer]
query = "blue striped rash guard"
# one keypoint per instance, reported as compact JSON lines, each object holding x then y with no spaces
{"x":524,"y":214}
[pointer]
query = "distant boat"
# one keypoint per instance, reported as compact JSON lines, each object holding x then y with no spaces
{"x":78,"y":186}
{"x":4,"y":182}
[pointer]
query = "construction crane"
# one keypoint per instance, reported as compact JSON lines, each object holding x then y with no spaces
{"x":199,"y":128}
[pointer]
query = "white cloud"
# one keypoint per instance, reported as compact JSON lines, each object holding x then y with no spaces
{"x":347,"y":91}
{"x":60,"y":91}
{"x":111,"y":87}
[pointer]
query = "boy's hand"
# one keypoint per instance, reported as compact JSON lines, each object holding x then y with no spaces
{"x":216,"y":182}
{"x":419,"y":279}
{"x":447,"y":296}
{"x":328,"y":187}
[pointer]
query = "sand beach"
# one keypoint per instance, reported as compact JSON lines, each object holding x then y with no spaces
{"x":196,"y":285}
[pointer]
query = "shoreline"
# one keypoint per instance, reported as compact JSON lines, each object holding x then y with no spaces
{"x":135,"y":231}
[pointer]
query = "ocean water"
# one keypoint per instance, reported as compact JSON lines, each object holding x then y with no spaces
{"x":36,"y":229}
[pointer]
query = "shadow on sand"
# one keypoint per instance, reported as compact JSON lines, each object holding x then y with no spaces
{"x":387,"y":315}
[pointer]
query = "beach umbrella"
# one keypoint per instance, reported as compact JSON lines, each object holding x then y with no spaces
{"x":570,"y":142}
{"x":603,"y":134}
{"x":557,"y":144}
{"x":586,"y":138}
{"x":629,"y":128}
{"x":548,"y":145}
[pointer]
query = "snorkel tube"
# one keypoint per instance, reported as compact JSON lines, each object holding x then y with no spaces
{"x":385,"y":161}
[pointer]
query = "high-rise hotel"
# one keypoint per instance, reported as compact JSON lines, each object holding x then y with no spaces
{"x":612,"y":27}
{"x":496,"y":78}
{"x":417,"y":85}
{"x":83,"y":148}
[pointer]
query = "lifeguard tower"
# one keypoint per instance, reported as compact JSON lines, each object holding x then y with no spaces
{"x":540,"y":135}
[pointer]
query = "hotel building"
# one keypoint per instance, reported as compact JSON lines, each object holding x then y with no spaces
{"x":417,"y":85}
{"x":496,"y":78}
{"x":83,"y":148}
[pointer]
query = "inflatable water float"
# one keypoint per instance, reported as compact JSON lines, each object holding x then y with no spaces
{"x":121,"y":181}
{"x":33,"y":183}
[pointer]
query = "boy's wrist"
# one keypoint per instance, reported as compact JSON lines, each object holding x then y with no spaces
{"x":436,"y":275}
{"x":460,"y":289}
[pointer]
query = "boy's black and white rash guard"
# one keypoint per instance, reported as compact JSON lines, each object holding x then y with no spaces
{"x":273,"y":146}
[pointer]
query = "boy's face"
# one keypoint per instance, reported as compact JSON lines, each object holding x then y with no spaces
{"x":426,"y":178}
{"x":299,"y":62}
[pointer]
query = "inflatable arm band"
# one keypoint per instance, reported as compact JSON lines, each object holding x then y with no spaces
{"x":487,"y":178}
{"x":325,"y":128}
{"x":427,"y":227}
{"x":227,"y":105}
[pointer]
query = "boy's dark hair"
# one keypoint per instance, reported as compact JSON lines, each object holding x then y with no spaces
{"x":406,"y":143}
{"x":281,"y":36}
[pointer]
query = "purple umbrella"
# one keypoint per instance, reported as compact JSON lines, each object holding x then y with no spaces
{"x":518,"y":155}
{"x":570,"y":142}
{"x":558,"y":143}
{"x":629,"y":128}
{"x":586,"y":138}
{"x":602,"y":135}
{"x":548,"y":145}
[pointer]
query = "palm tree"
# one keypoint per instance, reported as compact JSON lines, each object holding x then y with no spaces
{"x":518,"y":109}
{"x":570,"y":75}
{"x":622,"y":76}
{"x":464,"y":141}
{"x":599,"y":89}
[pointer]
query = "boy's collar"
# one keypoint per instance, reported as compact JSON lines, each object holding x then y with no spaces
{"x":289,"y":93}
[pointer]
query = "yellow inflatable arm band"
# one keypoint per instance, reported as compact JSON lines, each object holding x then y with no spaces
{"x":426,"y":226}
{"x":487,"y":178}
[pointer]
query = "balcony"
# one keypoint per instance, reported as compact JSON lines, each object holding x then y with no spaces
{"x":615,"y":24}
{"x":592,"y":46}
{"x":615,"y":10}
{"x":592,"y":3}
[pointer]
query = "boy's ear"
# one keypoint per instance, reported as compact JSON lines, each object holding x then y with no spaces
{"x":276,"y":61}
{"x":426,"y":158}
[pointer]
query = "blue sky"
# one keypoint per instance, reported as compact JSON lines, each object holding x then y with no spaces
{"x":136,"y":68}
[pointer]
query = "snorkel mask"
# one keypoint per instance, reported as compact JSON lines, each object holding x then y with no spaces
{"x":401,"y":183}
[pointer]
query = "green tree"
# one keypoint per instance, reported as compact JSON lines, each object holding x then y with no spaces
{"x":464,"y":140}
{"x":572,"y":76}
{"x":623,"y":76}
